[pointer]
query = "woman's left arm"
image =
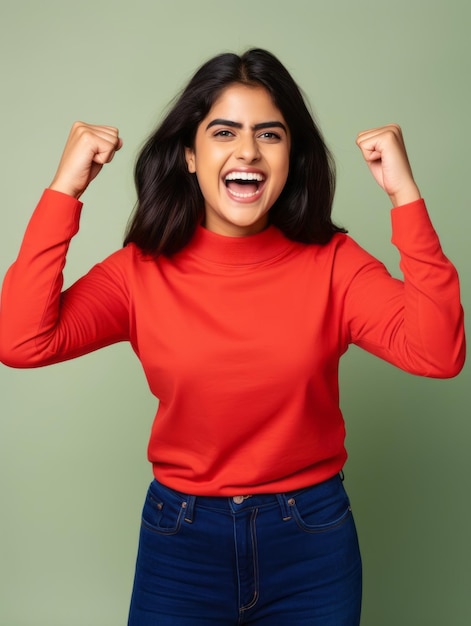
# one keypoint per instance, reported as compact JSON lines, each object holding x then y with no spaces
{"x":416,"y":324}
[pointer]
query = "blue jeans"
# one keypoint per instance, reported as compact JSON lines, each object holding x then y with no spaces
{"x":269,"y":560}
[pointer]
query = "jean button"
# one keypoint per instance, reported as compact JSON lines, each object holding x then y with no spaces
{"x":238,"y":499}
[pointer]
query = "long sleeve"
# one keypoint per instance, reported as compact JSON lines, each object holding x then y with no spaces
{"x":239,"y":337}
{"x":40,"y":324}
{"x":416,"y":324}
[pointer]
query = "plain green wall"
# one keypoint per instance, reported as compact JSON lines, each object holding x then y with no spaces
{"x":73,"y":469}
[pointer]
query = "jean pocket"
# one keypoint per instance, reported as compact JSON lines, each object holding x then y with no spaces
{"x":318,"y":509}
{"x":162,"y":516}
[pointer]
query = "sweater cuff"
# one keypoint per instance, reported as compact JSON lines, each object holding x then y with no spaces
{"x":412,"y":228}
{"x":58,"y":197}
{"x":56,"y":216}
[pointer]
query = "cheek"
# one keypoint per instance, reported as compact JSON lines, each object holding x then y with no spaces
{"x":208,"y":182}
{"x":282,"y":175}
{"x":282,"y":164}
{"x":209,"y":163}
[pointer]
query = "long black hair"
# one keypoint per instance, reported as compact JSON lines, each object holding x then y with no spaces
{"x":170,"y":204}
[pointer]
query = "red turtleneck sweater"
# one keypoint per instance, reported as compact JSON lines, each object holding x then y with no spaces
{"x":239,"y":338}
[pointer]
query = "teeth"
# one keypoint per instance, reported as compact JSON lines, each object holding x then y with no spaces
{"x":245,"y":176}
{"x":243,"y":195}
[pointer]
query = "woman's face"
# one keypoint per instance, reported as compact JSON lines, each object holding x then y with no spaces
{"x":241,"y":159}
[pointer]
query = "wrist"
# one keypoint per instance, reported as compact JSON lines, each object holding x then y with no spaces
{"x":405,"y":196}
{"x":64,"y":188}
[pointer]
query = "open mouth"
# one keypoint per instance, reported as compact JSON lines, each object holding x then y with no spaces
{"x":244,"y":184}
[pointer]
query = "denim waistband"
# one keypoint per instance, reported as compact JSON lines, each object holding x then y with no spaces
{"x":234,"y":504}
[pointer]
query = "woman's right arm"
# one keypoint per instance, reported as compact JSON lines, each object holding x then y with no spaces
{"x":40,"y":324}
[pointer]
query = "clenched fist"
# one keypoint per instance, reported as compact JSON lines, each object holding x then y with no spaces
{"x":87,"y":149}
{"x":385,"y":153}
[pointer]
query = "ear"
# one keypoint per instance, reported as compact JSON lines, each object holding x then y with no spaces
{"x":190,"y":160}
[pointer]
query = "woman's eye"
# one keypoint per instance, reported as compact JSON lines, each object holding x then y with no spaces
{"x":270,"y":135}
{"x":223,"y":133}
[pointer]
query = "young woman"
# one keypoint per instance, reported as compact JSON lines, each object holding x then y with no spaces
{"x":239,"y":296}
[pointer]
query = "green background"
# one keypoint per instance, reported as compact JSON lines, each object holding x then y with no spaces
{"x":73,"y":469}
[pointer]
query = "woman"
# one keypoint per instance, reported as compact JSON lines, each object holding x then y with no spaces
{"x":239,"y":295}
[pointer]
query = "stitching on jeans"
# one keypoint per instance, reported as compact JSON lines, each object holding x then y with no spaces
{"x":253,"y":535}
{"x":321,"y":528}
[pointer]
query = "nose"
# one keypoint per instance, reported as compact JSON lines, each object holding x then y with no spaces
{"x":247,"y":149}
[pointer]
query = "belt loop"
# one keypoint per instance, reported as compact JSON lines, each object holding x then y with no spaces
{"x":189,"y":506}
{"x":341,"y":475}
{"x":282,"y":500}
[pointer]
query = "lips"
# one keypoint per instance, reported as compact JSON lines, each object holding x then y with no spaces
{"x":244,"y":185}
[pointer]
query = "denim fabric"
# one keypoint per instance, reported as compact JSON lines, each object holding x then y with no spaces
{"x":271,"y":560}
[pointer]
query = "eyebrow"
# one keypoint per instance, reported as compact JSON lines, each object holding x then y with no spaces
{"x":261,"y":126}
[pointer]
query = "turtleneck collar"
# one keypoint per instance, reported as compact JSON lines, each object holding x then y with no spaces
{"x":258,"y":248}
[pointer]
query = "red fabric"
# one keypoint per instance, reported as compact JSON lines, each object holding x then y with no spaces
{"x":239,"y":338}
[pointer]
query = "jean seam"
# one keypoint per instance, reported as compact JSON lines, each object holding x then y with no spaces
{"x":321,"y":528}
{"x":163,"y":531}
{"x":253,"y":535}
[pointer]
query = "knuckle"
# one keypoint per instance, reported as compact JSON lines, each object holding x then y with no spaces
{"x":79,"y":127}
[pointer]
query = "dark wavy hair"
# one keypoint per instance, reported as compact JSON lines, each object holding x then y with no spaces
{"x":170,"y":204}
